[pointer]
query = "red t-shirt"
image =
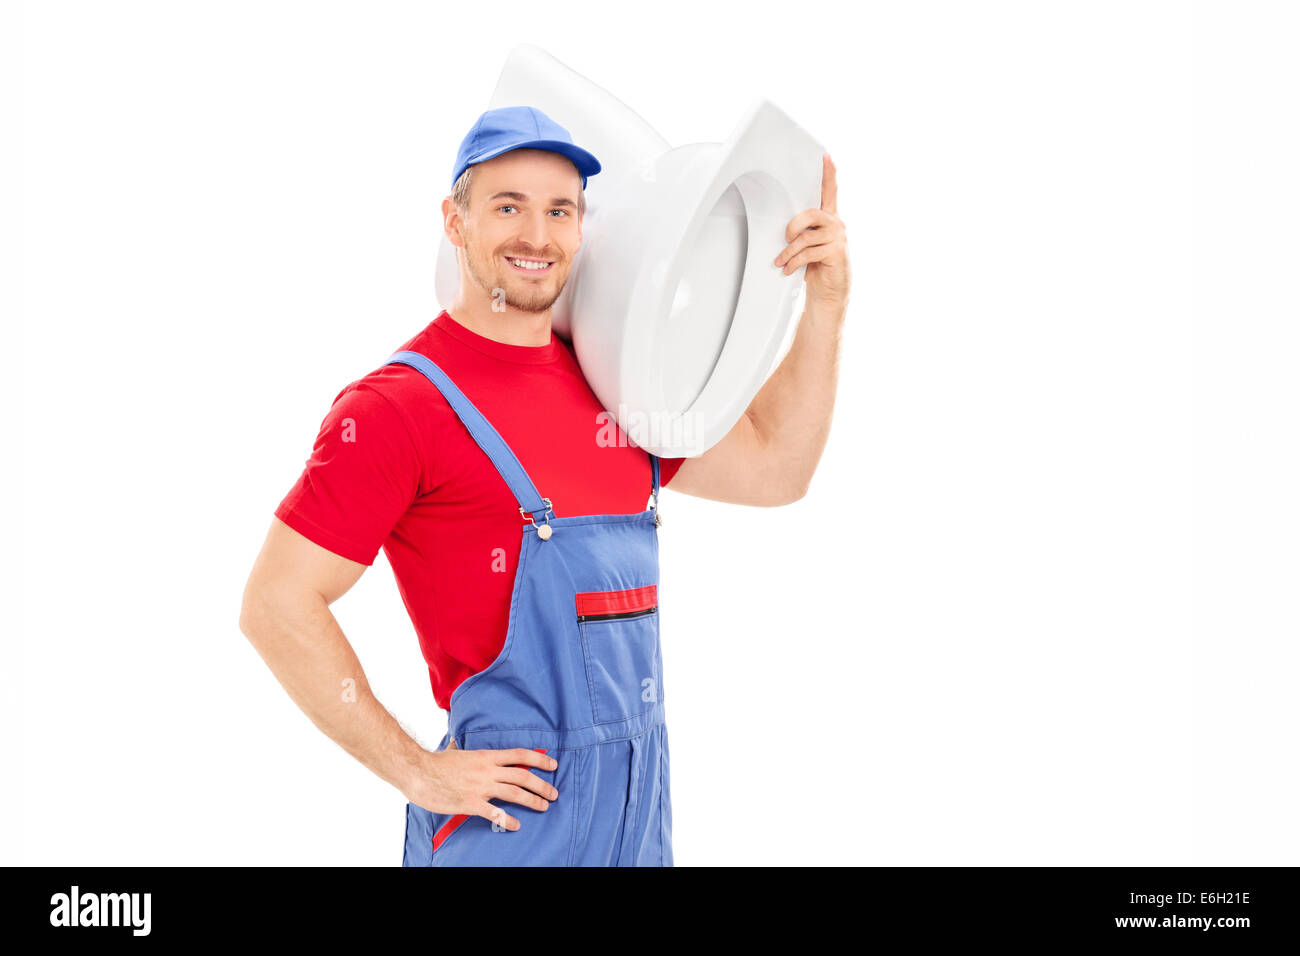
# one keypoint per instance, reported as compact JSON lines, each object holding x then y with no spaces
{"x":394,"y":467}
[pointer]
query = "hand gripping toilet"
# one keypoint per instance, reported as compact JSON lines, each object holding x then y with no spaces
{"x":675,"y":311}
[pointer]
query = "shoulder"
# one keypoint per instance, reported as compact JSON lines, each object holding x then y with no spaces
{"x":404,"y":391}
{"x":391,"y":419}
{"x":399,"y":408}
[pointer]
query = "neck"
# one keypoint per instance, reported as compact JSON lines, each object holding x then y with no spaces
{"x":510,"y":325}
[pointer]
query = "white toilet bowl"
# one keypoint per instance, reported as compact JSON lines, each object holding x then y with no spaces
{"x":674,"y":308}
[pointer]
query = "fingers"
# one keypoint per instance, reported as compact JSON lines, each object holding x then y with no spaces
{"x":508,"y":791}
{"x":812,"y":227}
{"x":524,"y":778}
{"x":508,"y":778}
{"x":829,"y":186}
{"x":497,"y":815}
{"x":819,"y":237}
{"x":807,"y":219}
{"x":812,"y":254}
{"x":521,"y":755}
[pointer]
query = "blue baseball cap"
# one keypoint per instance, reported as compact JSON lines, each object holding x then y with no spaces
{"x":520,"y":127}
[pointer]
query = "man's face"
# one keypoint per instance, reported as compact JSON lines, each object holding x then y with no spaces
{"x":521,"y":230}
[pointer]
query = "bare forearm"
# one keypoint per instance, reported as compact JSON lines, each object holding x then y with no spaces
{"x":305,"y":648}
{"x":792,"y":412}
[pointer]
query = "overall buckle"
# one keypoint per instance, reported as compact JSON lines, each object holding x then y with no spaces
{"x":544,"y":530}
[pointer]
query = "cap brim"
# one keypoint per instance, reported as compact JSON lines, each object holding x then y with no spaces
{"x":588,"y":165}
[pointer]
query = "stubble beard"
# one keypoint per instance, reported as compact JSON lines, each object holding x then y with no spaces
{"x":495,"y":278}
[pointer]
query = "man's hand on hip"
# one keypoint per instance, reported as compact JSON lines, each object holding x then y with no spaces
{"x":463,"y":781}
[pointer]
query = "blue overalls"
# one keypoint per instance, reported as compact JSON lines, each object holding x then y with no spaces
{"x":579,"y":677}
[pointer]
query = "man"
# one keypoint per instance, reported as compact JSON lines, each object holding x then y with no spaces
{"x":543,"y":648}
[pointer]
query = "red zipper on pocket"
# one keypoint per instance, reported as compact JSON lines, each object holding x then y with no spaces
{"x":605,"y":605}
{"x":448,"y":828}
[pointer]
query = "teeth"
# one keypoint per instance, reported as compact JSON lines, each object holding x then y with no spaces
{"x":528,"y":264}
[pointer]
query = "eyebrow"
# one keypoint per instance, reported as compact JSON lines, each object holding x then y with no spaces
{"x":521,"y":197}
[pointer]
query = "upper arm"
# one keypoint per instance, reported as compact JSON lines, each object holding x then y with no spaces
{"x":363,"y":474}
{"x":739,"y":469}
{"x":290,"y":578}
{"x":290,"y":562}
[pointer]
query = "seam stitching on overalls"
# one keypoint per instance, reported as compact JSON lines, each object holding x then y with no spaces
{"x":663,"y":786}
{"x":586,"y":666}
{"x":576,"y":781}
{"x":552,"y":730}
{"x":508,"y":646}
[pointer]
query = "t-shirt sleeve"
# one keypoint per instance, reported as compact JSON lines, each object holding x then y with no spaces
{"x":667,"y":468}
{"x":363,"y":474}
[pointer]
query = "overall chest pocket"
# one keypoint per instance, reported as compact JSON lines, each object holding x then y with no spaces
{"x":620,"y":647}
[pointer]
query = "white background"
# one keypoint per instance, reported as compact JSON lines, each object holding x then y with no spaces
{"x":1039,"y":606}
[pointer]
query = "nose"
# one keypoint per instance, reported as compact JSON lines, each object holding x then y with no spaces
{"x":536,"y":232}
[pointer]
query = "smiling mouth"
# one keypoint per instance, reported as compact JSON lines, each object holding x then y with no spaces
{"x":530,"y":266}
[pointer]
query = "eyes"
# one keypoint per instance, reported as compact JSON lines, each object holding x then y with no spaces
{"x":503,"y":206}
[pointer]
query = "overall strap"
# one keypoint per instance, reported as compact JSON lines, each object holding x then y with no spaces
{"x":654,"y":487}
{"x":493,"y":445}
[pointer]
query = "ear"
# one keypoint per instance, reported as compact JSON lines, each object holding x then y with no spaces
{"x":451,"y":223}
